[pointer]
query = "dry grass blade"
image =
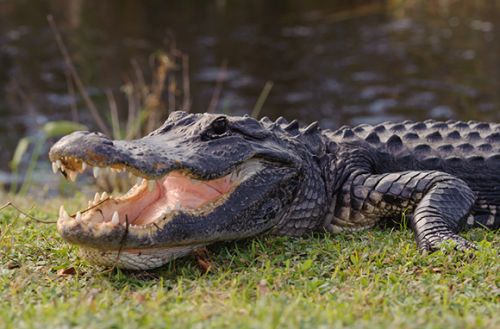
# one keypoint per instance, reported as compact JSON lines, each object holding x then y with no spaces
{"x":132,"y":110}
{"x":139,"y":75}
{"x":186,"y":104}
{"x":218,"y":88}
{"x":71,"y":89}
{"x":153,"y":102}
{"x":262,"y":99}
{"x":79,"y":84}
{"x":113,"y":110}
{"x":10,"y":204}
{"x":172,"y":88}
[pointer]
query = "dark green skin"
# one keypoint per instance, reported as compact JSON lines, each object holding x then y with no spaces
{"x":445,"y":176}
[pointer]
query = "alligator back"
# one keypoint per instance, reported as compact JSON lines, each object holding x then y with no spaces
{"x":467,"y":150}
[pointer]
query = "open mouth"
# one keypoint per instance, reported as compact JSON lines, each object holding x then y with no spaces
{"x":150,"y":201}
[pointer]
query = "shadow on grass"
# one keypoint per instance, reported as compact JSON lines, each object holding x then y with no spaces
{"x":234,"y":257}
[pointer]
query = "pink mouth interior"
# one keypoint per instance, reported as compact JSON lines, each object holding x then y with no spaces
{"x":175,"y":191}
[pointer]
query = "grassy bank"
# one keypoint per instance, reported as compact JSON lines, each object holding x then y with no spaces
{"x":374,"y":279}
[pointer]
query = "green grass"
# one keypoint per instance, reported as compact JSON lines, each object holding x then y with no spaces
{"x":372,"y":279}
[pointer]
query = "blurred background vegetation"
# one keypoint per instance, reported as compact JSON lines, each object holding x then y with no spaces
{"x":119,"y":66}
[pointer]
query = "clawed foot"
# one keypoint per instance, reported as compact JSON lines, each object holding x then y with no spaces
{"x":438,"y":241}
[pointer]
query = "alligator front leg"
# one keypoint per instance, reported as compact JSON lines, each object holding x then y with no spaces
{"x":439,"y":203}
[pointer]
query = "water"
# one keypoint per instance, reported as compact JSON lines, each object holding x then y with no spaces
{"x":366,"y":61}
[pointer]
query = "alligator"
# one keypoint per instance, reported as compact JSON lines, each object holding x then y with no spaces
{"x":205,"y":178}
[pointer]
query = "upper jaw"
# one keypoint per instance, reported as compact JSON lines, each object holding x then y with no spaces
{"x":150,"y":157}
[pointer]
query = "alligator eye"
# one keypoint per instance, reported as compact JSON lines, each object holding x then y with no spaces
{"x":219,"y":126}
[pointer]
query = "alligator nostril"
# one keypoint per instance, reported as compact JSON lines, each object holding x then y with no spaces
{"x":106,"y":142}
{"x":99,"y":134}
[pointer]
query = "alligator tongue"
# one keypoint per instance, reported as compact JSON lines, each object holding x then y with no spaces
{"x":180,"y":191}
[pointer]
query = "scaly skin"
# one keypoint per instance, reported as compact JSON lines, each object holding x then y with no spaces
{"x":444,"y":175}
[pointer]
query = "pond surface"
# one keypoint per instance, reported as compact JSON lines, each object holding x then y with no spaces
{"x":362,"y":62}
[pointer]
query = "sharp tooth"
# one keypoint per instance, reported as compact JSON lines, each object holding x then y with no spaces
{"x":78,"y":216}
{"x":96,"y":171}
{"x":58,"y":163}
{"x":151,"y":185}
{"x":130,"y":175}
{"x":90,"y":204}
{"x":63,"y":214}
{"x":234,"y":176}
{"x":116,"y":218}
{"x":84,"y":166}
{"x":104,"y":196}
{"x":140,"y":181}
{"x":166,"y":211}
{"x":54,"y":168}
{"x":72,"y":175}
{"x":97,"y":198}
{"x":113,"y":170}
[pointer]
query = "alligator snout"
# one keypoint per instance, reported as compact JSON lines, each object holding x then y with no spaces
{"x":92,"y":146}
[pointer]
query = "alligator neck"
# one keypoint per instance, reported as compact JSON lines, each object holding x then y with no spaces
{"x":312,"y":200}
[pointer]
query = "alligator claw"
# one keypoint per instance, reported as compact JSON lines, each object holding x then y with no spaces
{"x":438,"y":242}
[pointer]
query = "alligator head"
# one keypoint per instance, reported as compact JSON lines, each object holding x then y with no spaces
{"x":206,"y":178}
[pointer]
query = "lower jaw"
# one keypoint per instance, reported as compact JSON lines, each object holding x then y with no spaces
{"x":148,"y":203}
{"x":136,"y":259}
